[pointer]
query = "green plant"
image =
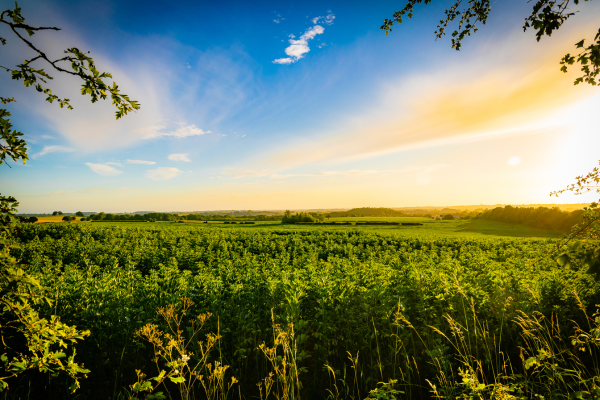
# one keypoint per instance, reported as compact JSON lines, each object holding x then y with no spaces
{"x":385,"y":392}
{"x":284,"y":378}
{"x":176,"y":360}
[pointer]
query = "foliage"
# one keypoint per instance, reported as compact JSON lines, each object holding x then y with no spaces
{"x":582,"y":242}
{"x":385,"y":392}
{"x":135,"y":217}
{"x":344,"y":291}
{"x":82,"y":66}
{"x":234,"y":217}
{"x":540,"y":217}
{"x":12,"y":146}
{"x":30,"y":341}
{"x":289,"y":218}
{"x":367,"y":212}
{"x":546,"y":17}
{"x":583,"y":184}
{"x":175,"y":351}
{"x":46,"y":340}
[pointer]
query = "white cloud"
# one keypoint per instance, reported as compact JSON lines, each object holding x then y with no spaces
{"x":298,"y":48}
{"x":179,"y":157}
{"x":217,"y":86}
{"x":114,"y":163}
{"x":103,"y":169}
{"x":53,"y":149}
{"x":284,"y":61}
{"x":140,"y":162}
{"x":47,"y":137}
{"x":157,"y":131}
{"x":328,"y":19}
{"x":163,"y":173}
{"x":312,"y":32}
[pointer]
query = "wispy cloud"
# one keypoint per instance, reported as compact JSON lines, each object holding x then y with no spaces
{"x":298,"y":48}
{"x":353,"y":172}
{"x":140,"y":162}
{"x":98,"y":190}
{"x":53,"y":149}
{"x":47,"y":137}
{"x":158,"y":131}
{"x":163,"y":173}
{"x":103,"y":169}
{"x":328,"y":19}
{"x":116,"y":164}
{"x":179,"y":157}
{"x":278,"y":19}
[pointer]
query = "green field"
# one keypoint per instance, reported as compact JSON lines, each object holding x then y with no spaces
{"x":431,"y":228}
{"x":419,"y":306}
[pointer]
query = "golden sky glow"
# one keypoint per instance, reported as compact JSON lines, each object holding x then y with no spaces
{"x":496,"y":123}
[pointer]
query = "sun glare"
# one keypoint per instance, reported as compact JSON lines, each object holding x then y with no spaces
{"x":514,"y":161}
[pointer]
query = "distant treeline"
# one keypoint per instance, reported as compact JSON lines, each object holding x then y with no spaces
{"x":368,"y":212}
{"x":301,"y":217}
{"x":175,"y":217}
{"x":135,"y":217}
{"x":220,"y":217}
{"x":389,"y":212}
{"x":540,"y":217}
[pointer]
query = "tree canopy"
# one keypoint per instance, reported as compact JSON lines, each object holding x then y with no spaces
{"x":546,"y":17}
{"x":81,"y":65}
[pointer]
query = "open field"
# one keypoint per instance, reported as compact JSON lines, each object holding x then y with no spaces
{"x":430,"y":228}
{"x":419,"y":305}
{"x":55,"y":218}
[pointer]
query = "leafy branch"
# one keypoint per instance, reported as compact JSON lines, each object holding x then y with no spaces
{"x":589,"y":58}
{"x":81,"y":65}
{"x":546,"y":17}
{"x":583,"y":184}
{"x":43,"y":342}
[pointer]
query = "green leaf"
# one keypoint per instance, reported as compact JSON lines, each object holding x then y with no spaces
{"x":179,"y":379}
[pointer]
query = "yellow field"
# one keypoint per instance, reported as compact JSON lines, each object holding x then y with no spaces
{"x":56,"y":218}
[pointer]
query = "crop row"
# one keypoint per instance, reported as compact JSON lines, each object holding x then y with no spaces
{"x":364,"y":308}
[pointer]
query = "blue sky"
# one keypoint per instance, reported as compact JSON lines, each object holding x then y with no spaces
{"x":274,"y":105}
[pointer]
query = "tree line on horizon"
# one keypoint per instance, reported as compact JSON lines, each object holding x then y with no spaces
{"x":151,"y":217}
{"x":537,"y":217}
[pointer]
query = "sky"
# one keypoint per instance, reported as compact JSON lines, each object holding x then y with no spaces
{"x":297,"y":105}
